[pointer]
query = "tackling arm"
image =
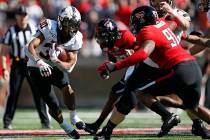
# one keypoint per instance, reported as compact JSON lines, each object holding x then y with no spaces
{"x":183,"y":22}
{"x":146,"y":49}
{"x":200,"y":43}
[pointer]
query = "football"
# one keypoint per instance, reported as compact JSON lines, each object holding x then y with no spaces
{"x":62,"y":54}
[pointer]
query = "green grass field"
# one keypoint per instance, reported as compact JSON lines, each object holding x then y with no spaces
{"x":29,"y":120}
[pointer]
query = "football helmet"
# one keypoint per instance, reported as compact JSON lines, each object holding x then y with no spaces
{"x":142,"y":16}
{"x":156,"y":5}
{"x":106,"y":32}
{"x":204,"y":5}
{"x":69,"y":20}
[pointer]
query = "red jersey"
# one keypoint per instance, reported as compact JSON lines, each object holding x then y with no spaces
{"x":167,"y":52}
{"x":126,"y":42}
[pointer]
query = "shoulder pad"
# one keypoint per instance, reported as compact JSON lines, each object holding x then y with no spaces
{"x":75,"y":43}
{"x":48,"y":28}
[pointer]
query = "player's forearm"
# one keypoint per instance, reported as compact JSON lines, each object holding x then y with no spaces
{"x":135,"y":58}
{"x":4,"y":63}
{"x":205,"y":42}
{"x":65,"y":65}
{"x":196,"y":49}
{"x":182,"y":22}
{"x":34,"y":43}
{"x":31,"y":53}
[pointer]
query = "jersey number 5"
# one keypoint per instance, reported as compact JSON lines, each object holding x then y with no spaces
{"x":170,"y":36}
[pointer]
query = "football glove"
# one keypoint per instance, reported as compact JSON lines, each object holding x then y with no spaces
{"x":53,"y":53}
{"x":105,"y":69}
{"x":44,"y":68}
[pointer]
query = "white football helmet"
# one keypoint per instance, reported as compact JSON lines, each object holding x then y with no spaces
{"x":69,"y":18}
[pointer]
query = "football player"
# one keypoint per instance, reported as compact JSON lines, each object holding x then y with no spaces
{"x":176,"y":60}
{"x":166,"y":10}
{"x":106,"y":35}
{"x":119,"y":44}
{"x":46,"y":69}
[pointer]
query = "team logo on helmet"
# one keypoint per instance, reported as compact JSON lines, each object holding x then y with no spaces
{"x":142,"y":16}
{"x":109,"y":25}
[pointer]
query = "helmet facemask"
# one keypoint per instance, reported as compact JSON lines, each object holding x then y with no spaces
{"x":106,"y":33}
{"x":69,"y":26}
{"x":69,"y":22}
{"x":106,"y":39}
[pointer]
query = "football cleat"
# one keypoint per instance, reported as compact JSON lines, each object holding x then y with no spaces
{"x":80,"y":125}
{"x":91,"y":128}
{"x":105,"y":134}
{"x":168,"y":124}
{"x":199,"y":129}
{"x":77,"y":122}
{"x":74,"y":134}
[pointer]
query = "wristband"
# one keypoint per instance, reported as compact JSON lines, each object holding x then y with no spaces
{"x":36,"y":60}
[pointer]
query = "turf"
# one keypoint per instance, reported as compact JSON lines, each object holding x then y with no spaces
{"x":29,"y":120}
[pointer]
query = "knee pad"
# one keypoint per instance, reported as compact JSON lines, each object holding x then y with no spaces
{"x":126,"y":103}
{"x":123,"y":108}
{"x":118,"y":88}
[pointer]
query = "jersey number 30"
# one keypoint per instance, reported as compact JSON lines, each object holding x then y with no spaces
{"x":171,"y":37}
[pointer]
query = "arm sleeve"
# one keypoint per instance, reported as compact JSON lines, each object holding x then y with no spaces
{"x":140,"y":55}
{"x":135,"y":58}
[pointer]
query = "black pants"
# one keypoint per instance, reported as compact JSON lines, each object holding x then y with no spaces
{"x":17,"y":75}
{"x":185,"y":82}
{"x":43,"y":85}
{"x":207,"y":93}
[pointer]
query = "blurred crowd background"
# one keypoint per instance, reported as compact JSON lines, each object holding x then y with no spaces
{"x":92,"y":11}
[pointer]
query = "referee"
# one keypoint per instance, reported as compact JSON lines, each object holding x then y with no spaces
{"x":15,"y":40}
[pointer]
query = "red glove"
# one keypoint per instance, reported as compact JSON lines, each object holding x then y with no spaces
{"x":105,"y":69}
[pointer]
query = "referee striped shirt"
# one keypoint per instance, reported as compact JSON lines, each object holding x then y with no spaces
{"x":17,"y":39}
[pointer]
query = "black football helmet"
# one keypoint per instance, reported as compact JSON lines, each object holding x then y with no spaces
{"x":142,"y":16}
{"x":204,"y":5}
{"x":106,"y":33}
{"x":69,"y":20}
{"x":156,"y":5}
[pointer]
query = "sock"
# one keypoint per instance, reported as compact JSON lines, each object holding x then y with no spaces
{"x":158,"y":108}
{"x":74,"y":117}
{"x":73,"y":113}
{"x":66,"y":127}
{"x":109,"y":127}
{"x":98,"y":122}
